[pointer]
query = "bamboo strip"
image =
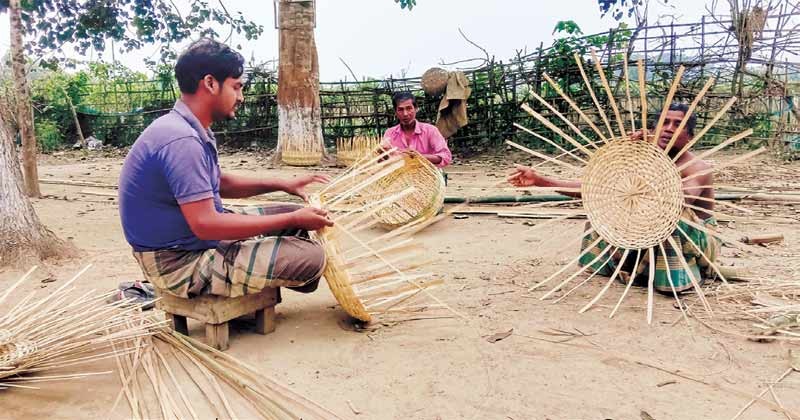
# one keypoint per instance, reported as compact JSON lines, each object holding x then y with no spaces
{"x":609,"y":94}
{"x":579,"y":61}
{"x":668,"y":102}
{"x":575,"y":107}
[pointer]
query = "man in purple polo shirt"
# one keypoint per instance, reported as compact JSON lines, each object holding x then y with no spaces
{"x":170,"y":193}
{"x":411,"y":134}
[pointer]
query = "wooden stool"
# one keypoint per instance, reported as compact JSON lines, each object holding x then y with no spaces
{"x":216,"y":311}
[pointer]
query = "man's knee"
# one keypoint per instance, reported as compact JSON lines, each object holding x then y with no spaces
{"x":299,"y":259}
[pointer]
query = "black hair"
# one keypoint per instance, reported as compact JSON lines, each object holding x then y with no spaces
{"x":403,"y":96}
{"x":678,"y":106}
{"x":203,"y":57}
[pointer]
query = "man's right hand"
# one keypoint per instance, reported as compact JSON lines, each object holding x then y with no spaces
{"x":523,"y":176}
{"x":311,"y":218}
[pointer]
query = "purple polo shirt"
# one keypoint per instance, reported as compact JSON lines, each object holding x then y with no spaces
{"x":173,"y":162}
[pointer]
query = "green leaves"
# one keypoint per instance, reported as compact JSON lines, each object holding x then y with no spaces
{"x":406,"y":4}
{"x":125,"y":24}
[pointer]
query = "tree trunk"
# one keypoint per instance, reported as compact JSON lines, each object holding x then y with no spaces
{"x":300,"y":139}
{"x":24,"y":109}
{"x":23,"y":238}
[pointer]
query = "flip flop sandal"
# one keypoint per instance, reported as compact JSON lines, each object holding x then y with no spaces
{"x":138,"y":293}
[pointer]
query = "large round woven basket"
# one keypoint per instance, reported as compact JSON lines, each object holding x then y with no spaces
{"x":434,"y":81}
{"x":301,"y":158}
{"x":632,"y":193}
{"x":426,"y":201}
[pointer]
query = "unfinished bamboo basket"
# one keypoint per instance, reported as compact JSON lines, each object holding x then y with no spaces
{"x":632,"y":188}
{"x":301,"y":153}
{"x":351,"y":150}
{"x":423,"y":204}
{"x":378,"y":275}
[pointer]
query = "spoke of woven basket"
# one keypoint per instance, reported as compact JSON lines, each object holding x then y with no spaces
{"x":588,"y":84}
{"x":575,"y":107}
{"x":541,"y":155}
{"x":642,"y":94}
{"x":703,"y":254}
{"x":402,"y":244}
{"x":705,"y":129}
{"x":717,"y":148}
{"x":651,"y":278}
{"x":575,"y":260}
{"x":399,"y":295}
{"x":374,"y":207}
{"x":607,"y":250}
{"x":688,"y":114}
{"x":565,"y":119}
{"x":17,"y":283}
{"x":667,"y":102}
{"x":556,"y":130}
{"x":375,"y":276}
{"x":581,"y":284}
{"x":386,"y":282}
{"x":672,"y":286}
{"x":714,"y":212}
{"x":367,"y":163}
{"x":628,"y":91}
{"x":630,"y":283}
{"x":695,"y":281}
{"x":353,"y":237}
{"x":718,"y":202}
{"x":608,"y":283}
{"x":610,"y":95}
{"x":365,"y":183}
{"x":359,"y":269}
{"x":735,"y":161}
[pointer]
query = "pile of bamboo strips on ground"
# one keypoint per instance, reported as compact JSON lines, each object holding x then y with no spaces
{"x":64,"y":330}
{"x":170,"y":376}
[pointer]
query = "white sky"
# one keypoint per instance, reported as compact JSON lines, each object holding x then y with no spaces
{"x":376,"y":38}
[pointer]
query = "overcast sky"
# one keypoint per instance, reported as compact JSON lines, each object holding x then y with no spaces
{"x":376,"y":38}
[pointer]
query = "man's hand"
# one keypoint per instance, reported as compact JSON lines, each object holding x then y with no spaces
{"x":311,"y":218}
{"x":524,"y":176}
{"x":297,"y":186}
{"x":637,"y":135}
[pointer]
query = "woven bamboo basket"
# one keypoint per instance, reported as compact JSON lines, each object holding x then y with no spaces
{"x":632,"y":193}
{"x":301,"y":157}
{"x":376,"y":275}
{"x":349,"y":151}
{"x":426,"y":201}
{"x":434,"y":81}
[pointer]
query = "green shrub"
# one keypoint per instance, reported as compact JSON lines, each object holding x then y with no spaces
{"x":48,"y":135}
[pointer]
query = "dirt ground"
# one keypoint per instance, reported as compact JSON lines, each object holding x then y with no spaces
{"x":446,"y":368}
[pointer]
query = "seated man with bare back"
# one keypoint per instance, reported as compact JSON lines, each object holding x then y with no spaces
{"x":699,"y":195}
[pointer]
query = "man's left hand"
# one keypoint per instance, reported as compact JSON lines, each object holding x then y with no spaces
{"x":297,"y":186}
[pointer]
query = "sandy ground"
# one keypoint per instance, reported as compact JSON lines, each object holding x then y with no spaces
{"x":445,"y":368}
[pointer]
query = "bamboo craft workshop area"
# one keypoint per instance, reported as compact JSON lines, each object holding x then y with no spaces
{"x":442,"y":303}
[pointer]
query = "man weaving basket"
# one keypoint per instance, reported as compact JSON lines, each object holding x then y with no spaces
{"x":698,"y":193}
{"x":171,"y":187}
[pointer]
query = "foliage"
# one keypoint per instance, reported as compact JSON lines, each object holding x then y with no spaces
{"x":128,"y":24}
{"x":406,"y":4}
{"x":619,"y":8}
{"x":48,"y":134}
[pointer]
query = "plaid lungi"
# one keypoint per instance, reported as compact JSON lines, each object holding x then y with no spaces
{"x":681,"y":280}
{"x":236,"y":268}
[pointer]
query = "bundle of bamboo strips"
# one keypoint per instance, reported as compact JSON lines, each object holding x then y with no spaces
{"x":373,"y":276}
{"x":351,"y":150}
{"x":65,"y":329}
{"x":169,"y":375}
